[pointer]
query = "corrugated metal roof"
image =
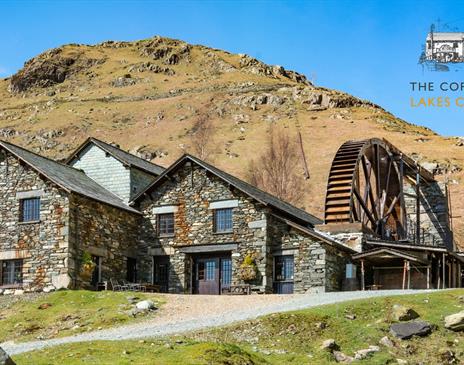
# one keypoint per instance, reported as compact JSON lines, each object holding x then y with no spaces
{"x":68,"y":178}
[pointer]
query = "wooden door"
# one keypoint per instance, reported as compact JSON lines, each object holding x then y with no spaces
{"x":207,"y":275}
{"x":161,"y":272}
{"x":283,"y":274}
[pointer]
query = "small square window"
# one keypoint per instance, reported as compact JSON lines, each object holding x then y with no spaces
{"x":29,"y":210}
{"x":223,"y":220}
{"x":166,"y":224}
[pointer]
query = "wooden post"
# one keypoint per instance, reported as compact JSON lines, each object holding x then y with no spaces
{"x":362,"y":276}
{"x":408,"y":267}
{"x":417,"y":205}
{"x":403,"y":208}
{"x":428,"y":277}
{"x":443,"y":269}
{"x":450,"y":274}
{"x":404,"y":274}
{"x":438,"y":273}
{"x":459,"y":275}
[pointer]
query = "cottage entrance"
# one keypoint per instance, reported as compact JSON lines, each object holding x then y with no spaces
{"x":161,"y":272}
{"x":211,"y":274}
{"x":283,"y":274}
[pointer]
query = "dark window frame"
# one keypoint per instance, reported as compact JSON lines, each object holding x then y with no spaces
{"x":18,"y":265}
{"x":217,"y":226}
{"x":29,"y":210}
{"x":163,"y":229}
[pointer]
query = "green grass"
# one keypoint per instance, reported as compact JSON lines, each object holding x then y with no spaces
{"x":286,"y":338}
{"x":69,"y":312}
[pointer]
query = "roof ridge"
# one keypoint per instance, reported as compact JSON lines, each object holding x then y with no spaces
{"x":251,"y":185}
{"x":94,"y":139}
{"x":41,"y":156}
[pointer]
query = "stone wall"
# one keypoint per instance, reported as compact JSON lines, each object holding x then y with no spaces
{"x":192,"y":189}
{"x":318,"y":266}
{"x":43,"y":245}
{"x":105,"y":170}
{"x":434,"y":214}
{"x":104,"y":231}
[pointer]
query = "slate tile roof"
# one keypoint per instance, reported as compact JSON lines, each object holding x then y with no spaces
{"x":68,"y":178}
{"x":241,"y":185}
{"x":121,"y":155}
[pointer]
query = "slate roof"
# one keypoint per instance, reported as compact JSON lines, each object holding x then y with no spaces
{"x":68,"y":178}
{"x":121,"y":155}
{"x":241,"y":185}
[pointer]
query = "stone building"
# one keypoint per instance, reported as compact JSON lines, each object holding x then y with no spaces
{"x":205,"y":231}
{"x":193,"y":228}
{"x":118,"y":171}
{"x":53,"y":218}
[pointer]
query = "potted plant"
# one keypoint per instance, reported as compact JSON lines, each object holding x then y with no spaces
{"x":87,"y":266}
{"x":248,"y":270}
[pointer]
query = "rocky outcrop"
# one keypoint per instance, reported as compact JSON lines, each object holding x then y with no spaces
{"x":455,"y":322}
{"x":402,"y":313}
{"x":406,"y":330}
{"x":50,"y":68}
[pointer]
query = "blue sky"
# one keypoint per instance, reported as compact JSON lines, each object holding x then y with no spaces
{"x":367,"y":48}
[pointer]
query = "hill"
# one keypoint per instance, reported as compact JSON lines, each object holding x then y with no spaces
{"x":148,"y":96}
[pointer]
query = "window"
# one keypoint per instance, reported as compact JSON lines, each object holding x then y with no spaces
{"x":29,"y":210}
{"x":226,"y":272}
{"x":11,"y":272}
{"x":223,"y":220}
{"x":284,"y":268}
{"x":166,"y":224}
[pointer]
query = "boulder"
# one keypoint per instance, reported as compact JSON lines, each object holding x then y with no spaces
{"x":341,"y":357}
{"x":406,"y":330}
{"x":402,"y":313}
{"x":385,"y":341}
{"x":5,"y":359}
{"x":329,"y":345}
{"x":145,"y":305}
{"x":455,"y":322}
{"x":365,"y":353}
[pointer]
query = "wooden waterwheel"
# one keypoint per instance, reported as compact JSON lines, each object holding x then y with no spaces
{"x":364,"y":186}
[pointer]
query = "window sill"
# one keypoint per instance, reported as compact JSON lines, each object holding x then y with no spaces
{"x":28,"y":222}
{"x":166,"y":236}
{"x":225,"y":232}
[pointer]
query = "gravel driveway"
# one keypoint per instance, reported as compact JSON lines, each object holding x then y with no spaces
{"x":183,"y":313}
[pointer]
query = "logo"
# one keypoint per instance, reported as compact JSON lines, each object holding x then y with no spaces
{"x":443,"y":49}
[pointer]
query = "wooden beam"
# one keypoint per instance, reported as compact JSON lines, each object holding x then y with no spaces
{"x":428,"y":277}
{"x":366,"y":210}
{"x":408,"y":267}
{"x":444,"y":270}
{"x":417,"y":205}
{"x":404,"y":275}
{"x":362,"y":276}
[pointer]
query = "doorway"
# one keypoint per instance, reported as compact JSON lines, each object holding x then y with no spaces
{"x":161,"y":272}
{"x":212,"y":274}
{"x":283,"y":274}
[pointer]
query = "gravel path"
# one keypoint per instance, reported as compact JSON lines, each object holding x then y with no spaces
{"x":184,"y":313}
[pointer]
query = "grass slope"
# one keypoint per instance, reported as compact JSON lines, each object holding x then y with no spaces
{"x":287,"y":338}
{"x":67,"y":313}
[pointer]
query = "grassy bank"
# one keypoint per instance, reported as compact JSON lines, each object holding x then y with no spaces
{"x":65,"y":313}
{"x":287,"y":338}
